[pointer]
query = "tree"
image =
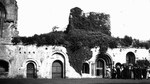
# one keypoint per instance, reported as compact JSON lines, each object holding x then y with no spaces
{"x":113,"y":43}
{"x":55,"y":28}
{"x":143,"y":63}
{"x":127,"y":41}
{"x":100,"y":22}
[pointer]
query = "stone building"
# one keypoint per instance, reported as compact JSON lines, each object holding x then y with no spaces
{"x":8,"y":29}
{"x":30,"y":61}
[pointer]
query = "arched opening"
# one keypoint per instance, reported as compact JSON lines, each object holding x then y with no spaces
{"x":57,"y":69}
{"x":103,"y":63}
{"x":31,"y":70}
{"x":85,"y":68}
{"x":2,"y":18}
{"x":100,"y":68}
{"x":130,"y":58}
{"x":4,"y":68}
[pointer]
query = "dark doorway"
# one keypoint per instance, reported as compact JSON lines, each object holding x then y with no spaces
{"x":85,"y":68}
{"x":100,"y":68}
{"x":130,"y":58}
{"x":57,"y":69}
{"x":31,"y":70}
{"x":4,"y":68}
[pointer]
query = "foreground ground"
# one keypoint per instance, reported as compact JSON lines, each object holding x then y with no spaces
{"x":73,"y":81}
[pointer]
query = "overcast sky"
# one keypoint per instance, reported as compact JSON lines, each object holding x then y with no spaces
{"x":128,"y":17}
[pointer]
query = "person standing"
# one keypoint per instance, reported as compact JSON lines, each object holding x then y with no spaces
{"x":113,"y":73}
{"x":118,"y":73}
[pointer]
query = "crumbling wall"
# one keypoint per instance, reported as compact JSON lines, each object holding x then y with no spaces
{"x":19,"y":56}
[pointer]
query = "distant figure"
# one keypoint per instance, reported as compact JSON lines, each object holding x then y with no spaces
{"x":139,"y":71}
{"x":144,"y":72}
{"x":118,"y":73}
{"x":113,"y":73}
{"x":108,"y":72}
{"x":148,"y":73}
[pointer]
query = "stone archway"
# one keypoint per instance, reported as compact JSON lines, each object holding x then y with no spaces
{"x":57,"y":69}
{"x":103,"y":63}
{"x":31,"y":70}
{"x":130,"y":58}
{"x":58,"y":65}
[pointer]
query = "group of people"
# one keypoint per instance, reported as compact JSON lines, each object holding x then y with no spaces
{"x":130,"y":72}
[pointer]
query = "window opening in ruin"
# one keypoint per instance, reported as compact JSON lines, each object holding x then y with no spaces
{"x":85,"y":68}
{"x":19,"y":48}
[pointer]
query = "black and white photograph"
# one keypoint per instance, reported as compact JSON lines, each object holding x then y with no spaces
{"x":74,"y":41}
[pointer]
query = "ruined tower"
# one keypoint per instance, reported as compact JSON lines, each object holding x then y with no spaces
{"x":8,"y":20}
{"x":8,"y":30}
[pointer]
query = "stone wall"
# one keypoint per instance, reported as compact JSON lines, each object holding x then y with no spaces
{"x":8,"y":26}
{"x":18,"y":56}
{"x":119,"y":54}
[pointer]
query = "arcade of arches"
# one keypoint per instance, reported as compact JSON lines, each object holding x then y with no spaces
{"x":57,"y":67}
{"x":98,"y":69}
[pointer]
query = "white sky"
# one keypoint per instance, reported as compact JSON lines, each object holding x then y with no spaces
{"x":128,"y":17}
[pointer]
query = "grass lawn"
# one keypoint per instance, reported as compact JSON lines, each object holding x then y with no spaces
{"x":73,"y":81}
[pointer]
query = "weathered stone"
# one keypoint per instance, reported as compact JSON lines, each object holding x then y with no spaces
{"x":22,"y":61}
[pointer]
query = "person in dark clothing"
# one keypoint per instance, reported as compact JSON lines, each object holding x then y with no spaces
{"x":135,"y":73}
{"x":144,"y":72}
{"x":113,"y":73}
{"x":139,"y":71}
{"x":118,"y":73}
{"x":125,"y":72}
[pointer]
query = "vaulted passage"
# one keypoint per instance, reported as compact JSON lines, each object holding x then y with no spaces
{"x":4,"y":68}
{"x":57,"y":69}
{"x":31,"y":70}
